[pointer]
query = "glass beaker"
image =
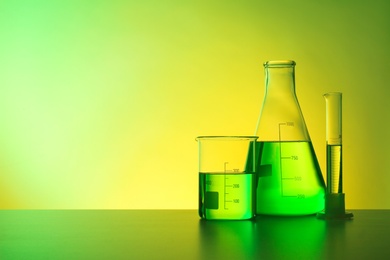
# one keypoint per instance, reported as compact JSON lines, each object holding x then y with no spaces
{"x":290,"y":181}
{"x":227,"y":184}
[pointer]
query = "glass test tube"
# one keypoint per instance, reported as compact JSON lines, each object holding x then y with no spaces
{"x":334,"y":169}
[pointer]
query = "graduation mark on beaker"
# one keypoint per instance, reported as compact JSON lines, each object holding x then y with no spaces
{"x":230,"y":187}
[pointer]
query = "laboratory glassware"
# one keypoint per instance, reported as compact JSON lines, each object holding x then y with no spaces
{"x":334,"y":197}
{"x":290,"y":181}
{"x":227,"y":184}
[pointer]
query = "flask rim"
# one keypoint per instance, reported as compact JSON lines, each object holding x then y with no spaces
{"x":279,"y":63}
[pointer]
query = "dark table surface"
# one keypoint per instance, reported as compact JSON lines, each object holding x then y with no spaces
{"x":180,"y":234}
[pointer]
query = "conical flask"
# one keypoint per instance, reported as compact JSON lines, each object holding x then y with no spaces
{"x":289,"y":177}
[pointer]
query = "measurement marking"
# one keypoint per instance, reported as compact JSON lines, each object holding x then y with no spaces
{"x":283,"y":157}
{"x":224,"y":187}
{"x":292,"y":157}
{"x":280,"y":157}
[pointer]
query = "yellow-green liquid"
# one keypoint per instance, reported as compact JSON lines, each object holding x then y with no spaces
{"x":227,"y":195}
{"x":289,"y":179}
{"x":334,"y":168}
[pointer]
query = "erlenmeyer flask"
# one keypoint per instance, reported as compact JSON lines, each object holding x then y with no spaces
{"x":289,"y":177}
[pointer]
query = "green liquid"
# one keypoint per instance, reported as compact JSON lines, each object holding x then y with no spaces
{"x":289,"y":179}
{"x":334,"y":168}
{"x":226,"y":195}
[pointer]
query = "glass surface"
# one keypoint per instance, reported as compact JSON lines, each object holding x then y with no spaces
{"x":334,"y":197}
{"x":334,"y":168}
{"x":333,"y":101}
{"x":290,"y":181}
{"x":227,"y":184}
{"x":226,"y":196}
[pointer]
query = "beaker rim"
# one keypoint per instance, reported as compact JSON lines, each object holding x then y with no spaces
{"x":226,"y":137}
{"x":279,"y":63}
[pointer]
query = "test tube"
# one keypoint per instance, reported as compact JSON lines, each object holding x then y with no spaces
{"x":334,"y":197}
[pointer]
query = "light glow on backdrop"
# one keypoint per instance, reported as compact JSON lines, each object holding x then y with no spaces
{"x":101,"y":101}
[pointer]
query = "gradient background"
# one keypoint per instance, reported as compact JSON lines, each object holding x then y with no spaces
{"x":101,"y":101}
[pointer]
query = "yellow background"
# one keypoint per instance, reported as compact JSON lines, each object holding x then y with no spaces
{"x":101,"y":101}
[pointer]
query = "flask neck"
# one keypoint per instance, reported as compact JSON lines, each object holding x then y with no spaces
{"x":280,"y":117}
{"x":280,"y":79}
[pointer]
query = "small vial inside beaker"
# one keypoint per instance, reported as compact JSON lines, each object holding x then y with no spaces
{"x":227,"y":185}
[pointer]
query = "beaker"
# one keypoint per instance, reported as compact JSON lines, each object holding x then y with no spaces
{"x":290,"y":181}
{"x":227,"y":184}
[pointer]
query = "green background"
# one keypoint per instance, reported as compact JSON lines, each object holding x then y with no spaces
{"x":101,"y":101}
